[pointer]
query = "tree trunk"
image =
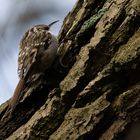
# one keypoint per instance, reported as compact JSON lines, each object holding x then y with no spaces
{"x":93,"y":88}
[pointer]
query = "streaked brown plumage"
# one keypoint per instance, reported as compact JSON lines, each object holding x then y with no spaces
{"x":38,"y":49}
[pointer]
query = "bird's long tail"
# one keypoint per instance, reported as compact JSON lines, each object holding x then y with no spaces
{"x":17,"y":94}
{"x":12,"y":103}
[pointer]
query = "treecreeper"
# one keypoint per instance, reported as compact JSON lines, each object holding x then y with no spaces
{"x":37,"y":51}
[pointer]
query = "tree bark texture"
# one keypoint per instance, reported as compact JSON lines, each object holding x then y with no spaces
{"x":93,"y":89}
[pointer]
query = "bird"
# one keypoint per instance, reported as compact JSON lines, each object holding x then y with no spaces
{"x":37,"y":52}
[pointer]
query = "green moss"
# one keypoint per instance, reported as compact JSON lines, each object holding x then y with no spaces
{"x":88,"y":24}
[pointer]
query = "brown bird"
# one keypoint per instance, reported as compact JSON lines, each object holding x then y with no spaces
{"x":37,"y":51}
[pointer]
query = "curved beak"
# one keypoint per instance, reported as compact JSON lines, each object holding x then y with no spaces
{"x":52,"y":23}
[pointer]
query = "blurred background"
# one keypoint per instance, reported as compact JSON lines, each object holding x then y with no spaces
{"x":16,"y":16}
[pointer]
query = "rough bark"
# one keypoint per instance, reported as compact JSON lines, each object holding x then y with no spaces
{"x":95,"y":94}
